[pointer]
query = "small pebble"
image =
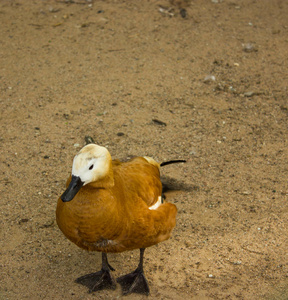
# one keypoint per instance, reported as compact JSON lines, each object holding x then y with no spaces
{"x":250,"y":94}
{"x":249,"y":47}
{"x":246,"y":193}
{"x":209,"y":78}
{"x":158,"y":122}
{"x":183,"y":13}
{"x":89,"y":140}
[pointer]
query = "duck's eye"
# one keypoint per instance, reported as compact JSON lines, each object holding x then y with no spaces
{"x":91,"y":167}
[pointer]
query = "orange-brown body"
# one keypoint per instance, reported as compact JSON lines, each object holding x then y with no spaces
{"x":113,"y":215}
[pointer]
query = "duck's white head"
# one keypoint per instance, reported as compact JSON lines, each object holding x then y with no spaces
{"x":91,"y":164}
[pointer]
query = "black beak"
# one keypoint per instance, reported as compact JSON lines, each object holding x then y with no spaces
{"x":73,"y":188}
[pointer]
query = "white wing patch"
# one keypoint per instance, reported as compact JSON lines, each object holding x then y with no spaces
{"x":152,"y":161}
{"x":157,"y":204}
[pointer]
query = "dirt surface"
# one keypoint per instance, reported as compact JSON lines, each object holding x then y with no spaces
{"x":107,"y":69}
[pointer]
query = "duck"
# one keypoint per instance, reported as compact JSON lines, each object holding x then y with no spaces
{"x":111,"y":206}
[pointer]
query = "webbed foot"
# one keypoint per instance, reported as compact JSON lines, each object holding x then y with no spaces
{"x":99,"y":280}
{"x":134,"y":282}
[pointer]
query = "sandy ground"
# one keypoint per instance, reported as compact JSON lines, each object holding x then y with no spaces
{"x":107,"y":69}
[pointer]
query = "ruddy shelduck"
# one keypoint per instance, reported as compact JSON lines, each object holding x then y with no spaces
{"x":111,"y":206}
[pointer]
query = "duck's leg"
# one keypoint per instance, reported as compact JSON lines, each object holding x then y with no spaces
{"x":99,"y":280}
{"x":135,"y":282}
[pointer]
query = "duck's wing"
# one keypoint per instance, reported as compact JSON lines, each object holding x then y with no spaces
{"x":140,"y":180}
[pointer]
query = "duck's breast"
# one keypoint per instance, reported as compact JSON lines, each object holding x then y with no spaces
{"x":90,"y":220}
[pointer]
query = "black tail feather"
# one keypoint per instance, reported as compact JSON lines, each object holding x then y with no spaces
{"x":165,"y":163}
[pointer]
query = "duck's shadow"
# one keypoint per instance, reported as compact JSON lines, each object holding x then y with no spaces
{"x":171,"y":185}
